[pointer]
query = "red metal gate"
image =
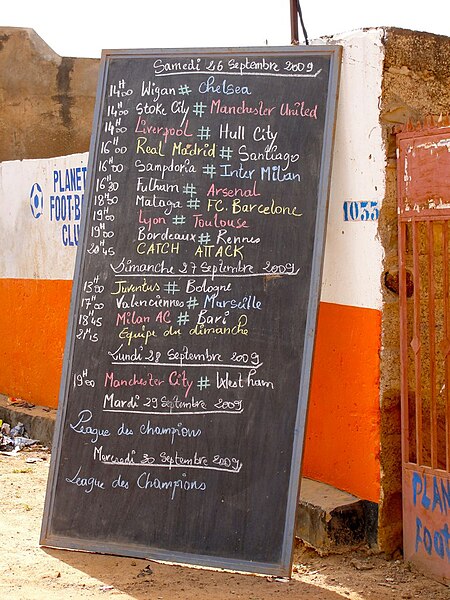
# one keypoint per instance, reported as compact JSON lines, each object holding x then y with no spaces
{"x":424,"y":250}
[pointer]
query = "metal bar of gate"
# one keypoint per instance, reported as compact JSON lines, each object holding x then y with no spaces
{"x":403,"y":227}
{"x":417,"y":343}
{"x":446,"y":344}
{"x":432,"y":345}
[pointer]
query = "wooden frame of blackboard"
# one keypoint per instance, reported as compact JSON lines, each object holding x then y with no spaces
{"x":283,"y":567}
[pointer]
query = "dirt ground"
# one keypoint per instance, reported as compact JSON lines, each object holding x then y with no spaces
{"x":29,"y":572}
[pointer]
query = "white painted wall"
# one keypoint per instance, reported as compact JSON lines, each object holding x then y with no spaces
{"x":353,"y":255}
{"x":39,"y":242}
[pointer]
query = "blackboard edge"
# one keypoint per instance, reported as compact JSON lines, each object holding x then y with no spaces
{"x":165,"y":556}
{"x":308,"y":49}
{"x":313,"y":306}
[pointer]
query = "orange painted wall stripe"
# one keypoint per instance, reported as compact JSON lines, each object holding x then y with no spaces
{"x":33,"y":322}
{"x":343,"y":427}
{"x":342,"y":435}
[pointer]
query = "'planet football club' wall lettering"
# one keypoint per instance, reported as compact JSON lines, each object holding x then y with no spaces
{"x":190,"y":340}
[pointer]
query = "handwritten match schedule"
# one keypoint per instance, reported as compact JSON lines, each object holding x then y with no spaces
{"x":187,"y":351}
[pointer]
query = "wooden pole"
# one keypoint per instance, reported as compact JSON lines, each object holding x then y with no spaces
{"x":294,"y":23}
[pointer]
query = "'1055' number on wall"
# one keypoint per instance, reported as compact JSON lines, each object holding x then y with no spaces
{"x":364,"y":210}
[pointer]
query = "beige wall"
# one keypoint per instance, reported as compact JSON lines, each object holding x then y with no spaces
{"x":46,"y":101}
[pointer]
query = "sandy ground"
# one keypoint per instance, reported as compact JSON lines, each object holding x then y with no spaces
{"x":29,"y":572}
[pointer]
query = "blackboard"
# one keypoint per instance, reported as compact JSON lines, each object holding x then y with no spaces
{"x":188,"y":357}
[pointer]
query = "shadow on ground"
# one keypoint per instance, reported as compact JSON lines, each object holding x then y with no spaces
{"x":144,"y":579}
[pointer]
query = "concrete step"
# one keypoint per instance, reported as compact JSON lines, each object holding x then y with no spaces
{"x":39,"y":421}
{"x":331,"y":520}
